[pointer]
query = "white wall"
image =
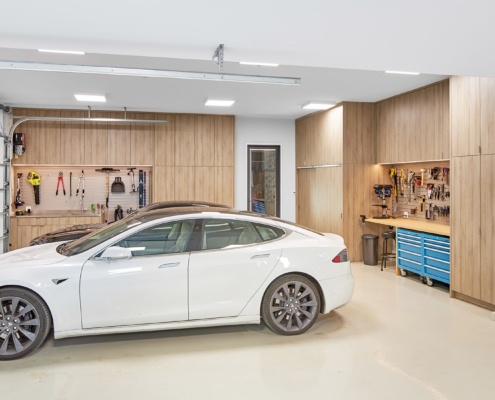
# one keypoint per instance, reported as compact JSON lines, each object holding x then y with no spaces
{"x":253,"y":131}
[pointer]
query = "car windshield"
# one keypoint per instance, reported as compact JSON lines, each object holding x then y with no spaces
{"x":101,"y":235}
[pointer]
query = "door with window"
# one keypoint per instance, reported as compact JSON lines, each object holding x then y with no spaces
{"x":235,"y":259}
{"x":151,"y":287}
{"x":264,"y":179}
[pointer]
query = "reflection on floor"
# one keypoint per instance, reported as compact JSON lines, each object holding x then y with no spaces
{"x":397,"y":339}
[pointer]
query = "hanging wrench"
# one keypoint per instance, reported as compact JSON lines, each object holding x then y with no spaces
{"x":81,"y":179}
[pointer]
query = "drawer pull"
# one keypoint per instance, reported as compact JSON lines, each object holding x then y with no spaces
{"x":438,"y":269}
{"x":412,"y":262}
{"x":408,"y":244}
{"x":410,"y":252}
{"x":438,"y":251}
{"x":436,"y":259}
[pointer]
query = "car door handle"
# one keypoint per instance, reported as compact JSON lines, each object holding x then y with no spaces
{"x":260,"y":256}
{"x":169,"y":265}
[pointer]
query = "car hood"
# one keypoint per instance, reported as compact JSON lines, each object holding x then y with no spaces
{"x":35,"y":255}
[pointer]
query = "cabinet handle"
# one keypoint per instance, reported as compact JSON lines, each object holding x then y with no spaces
{"x":413,"y":262}
{"x":438,"y":269}
{"x":436,"y":259}
{"x":410,"y":252}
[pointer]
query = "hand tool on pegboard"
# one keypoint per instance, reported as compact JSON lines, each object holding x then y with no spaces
{"x":131,"y":174}
{"x":18,"y":201}
{"x":35,"y":179}
{"x":107,"y":172}
{"x":60,"y":180}
{"x":70,"y":184}
{"x":422,"y":170}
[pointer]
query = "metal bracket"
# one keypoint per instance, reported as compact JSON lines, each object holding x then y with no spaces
{"x":219,"y":54}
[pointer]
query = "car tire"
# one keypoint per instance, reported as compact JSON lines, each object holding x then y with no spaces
{"x":290,"y":305}
{"x":21,"y":331}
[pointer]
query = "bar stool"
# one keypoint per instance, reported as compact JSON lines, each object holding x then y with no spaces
{"x":385,"y":254}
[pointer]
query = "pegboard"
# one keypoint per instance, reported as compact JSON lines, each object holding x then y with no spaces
{"x":94,"y":189}
{"x":409,"y":202}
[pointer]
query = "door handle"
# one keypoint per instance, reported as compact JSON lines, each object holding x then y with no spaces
{"x":169,"y":265}
{"x":260,"y":256}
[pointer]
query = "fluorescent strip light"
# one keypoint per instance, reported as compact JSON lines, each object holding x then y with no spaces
{"x":61,"y":51}
{"x":317,"y":105}
{"x":402,"y":72}
{"x":149,"y":73}
{"x":90,"y":97}
{"x":219,"y":103}
{"x":259,"y":64}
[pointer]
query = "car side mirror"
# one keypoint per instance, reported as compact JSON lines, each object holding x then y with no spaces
{"x":116,"y":253}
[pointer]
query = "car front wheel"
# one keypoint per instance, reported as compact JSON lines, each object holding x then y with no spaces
{"x":24,"y":322}
{"x":291,"y":305}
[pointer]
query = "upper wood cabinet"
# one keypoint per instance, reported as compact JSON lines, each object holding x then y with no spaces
{"x":487,"y":110}
{"x":359,"y":139}
{"x":319,"y":138}
{"x":414,"y":126}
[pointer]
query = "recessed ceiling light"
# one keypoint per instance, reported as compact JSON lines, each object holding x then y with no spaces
{"x":260,"y":64}
{"x":402,"y":72}
{"x":100,"y":98}
{"x":219,"y":103}
{"x":317,"y":105}
{"x":61,"y":51}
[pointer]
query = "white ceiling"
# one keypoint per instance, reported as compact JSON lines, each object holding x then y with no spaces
{"x":339,"y":49}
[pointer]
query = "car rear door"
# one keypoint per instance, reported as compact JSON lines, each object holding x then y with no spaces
{"x":228,"y":270}
{"x":151,"y":287}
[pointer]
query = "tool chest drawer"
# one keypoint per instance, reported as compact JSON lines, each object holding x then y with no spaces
{"x":425,"y":254}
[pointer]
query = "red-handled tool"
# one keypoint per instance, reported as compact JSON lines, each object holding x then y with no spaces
{"x":60,"y":179}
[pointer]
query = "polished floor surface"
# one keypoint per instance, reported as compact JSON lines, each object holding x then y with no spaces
{"x":397,"y":339}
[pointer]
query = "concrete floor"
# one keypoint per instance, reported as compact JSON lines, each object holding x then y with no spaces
{"x":397,"y":339}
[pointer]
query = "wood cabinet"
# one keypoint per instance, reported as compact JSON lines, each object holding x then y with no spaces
{"x":24,"y":229}
{"x":473,"y":190}
{"x":414,"y":126}
{"x":331,"y":199}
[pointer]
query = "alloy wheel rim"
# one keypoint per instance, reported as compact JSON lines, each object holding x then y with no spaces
{"x":293,"y":306}
{"x":19,"y":325}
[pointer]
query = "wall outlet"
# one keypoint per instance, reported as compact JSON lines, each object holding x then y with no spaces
{"x":28,"y":208}
{"x":406,"y":214}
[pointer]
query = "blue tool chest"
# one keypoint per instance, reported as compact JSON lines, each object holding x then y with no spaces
{"x":425,"y":254}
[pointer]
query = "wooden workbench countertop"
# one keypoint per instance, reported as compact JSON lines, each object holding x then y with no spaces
{"x":421,"y":226}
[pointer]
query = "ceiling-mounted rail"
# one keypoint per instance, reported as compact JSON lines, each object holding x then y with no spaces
{"x":68,"y":119}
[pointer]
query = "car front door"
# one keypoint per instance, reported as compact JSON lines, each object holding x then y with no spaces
{"x":228,"y":270}
{"x":150,"y":287}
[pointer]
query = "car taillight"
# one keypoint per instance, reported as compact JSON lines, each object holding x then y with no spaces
{"x":343,"y":256}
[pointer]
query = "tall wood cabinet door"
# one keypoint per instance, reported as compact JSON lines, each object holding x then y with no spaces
{"x":163,"y":183}
{"x":204,"y":140}
{"x":487,"y":87}
{"x":465,"y":223}
{"x":224,"y":141}
{"x":224,"y":185}
{"x":320,"y":199}
{"x":465,"y":115}
{"x":387,"y":131}
{"x":72,"y":139}
{"x":184,"y":140}
{"x":95,"y":143}
{"x":204,"y":184}
{"x":119,"y":142}
{"x":329,"y":143}
{"x":487,"y":194}
{"x":142,"y":141}
{"x":165,"y":140}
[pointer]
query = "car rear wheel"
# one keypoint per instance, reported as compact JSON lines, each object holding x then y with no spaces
{"x":290,"y":305}
{"x":24,"y":323}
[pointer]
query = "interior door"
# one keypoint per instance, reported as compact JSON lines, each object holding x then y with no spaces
{"x":151,"y":287}
{"x":230,"y":268}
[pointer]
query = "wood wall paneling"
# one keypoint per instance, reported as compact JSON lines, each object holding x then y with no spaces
{"x":224,"y":141}
{"x":184,"y":140}
{"x":328,"y":144}
{"x":487,"y":248}
{"x":204,"y":184}
{"x":487,"y":110}
{"x":119,"y":141}
{"x":465,"y":115}
{"x":204,"y":140}
{"x":387,"y":131}
{"x":465,"y":226}
{"x":142,"y":140}
{"x":224,"y":185}
{"x":184,"y":183}
{"x":165,"y":141}
{"x":163,"y":183}
{"x":95,"y":142}
{"x":72,"y":138}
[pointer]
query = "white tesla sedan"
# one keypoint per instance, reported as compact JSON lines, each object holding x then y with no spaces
{"x":171,"y":269}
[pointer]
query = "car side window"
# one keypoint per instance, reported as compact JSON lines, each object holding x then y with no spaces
{"x":268,"y":232}
{"x":221,"y":234}
{"x":171,"y":237}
